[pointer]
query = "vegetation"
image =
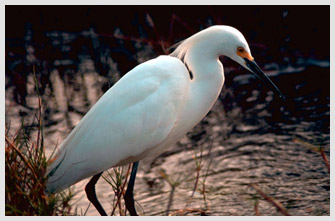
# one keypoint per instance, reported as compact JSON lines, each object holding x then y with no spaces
{"x":25,"y":167}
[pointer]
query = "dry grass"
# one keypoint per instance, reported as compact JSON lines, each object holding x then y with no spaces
{"x":26,"y":166}
{"x":117,"y":179}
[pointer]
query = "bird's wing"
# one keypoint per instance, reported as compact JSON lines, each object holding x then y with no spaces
{"x":136,"y":114}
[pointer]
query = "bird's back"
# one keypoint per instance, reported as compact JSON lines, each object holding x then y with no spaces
{"x":132,"y":117}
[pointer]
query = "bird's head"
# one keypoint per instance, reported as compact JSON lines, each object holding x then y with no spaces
{"x":236,"y":48}
{"x":220,"y":40}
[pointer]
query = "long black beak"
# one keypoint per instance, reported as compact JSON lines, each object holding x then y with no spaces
{"x":260,"y":74}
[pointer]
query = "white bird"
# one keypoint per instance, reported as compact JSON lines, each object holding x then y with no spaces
{"x":150,"y":108}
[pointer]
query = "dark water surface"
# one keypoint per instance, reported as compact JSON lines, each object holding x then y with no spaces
{"x":250,"y":135}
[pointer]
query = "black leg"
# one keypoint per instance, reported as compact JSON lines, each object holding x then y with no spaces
{"x":129,"y":196}
{"x":90,"y":193}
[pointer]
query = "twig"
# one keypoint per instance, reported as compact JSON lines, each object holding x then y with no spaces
{"x":122,"y":189}
{"x":87,"y":209}
{"x":257,"y":213}
{"x":273,"y":201}
{"x":319,"y":149}
{"x":325,"y":159}
{"x":198,"y":168}
{"x":170,"y":200}
{"x":204,"y":181}
{"x":173,"y":184}
{"x":188,"y":210}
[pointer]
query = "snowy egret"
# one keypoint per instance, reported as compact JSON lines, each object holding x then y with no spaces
{"x":148,"y":109}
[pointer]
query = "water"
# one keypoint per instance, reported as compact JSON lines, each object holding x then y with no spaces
{"x":250,"y":135}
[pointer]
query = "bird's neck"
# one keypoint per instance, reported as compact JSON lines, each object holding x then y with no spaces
{"x":205,"y":86}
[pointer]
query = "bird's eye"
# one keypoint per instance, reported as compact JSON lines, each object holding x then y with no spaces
{"x":240,"y":49}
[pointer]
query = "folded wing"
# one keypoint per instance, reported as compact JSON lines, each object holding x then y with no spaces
{"x":136,"y":114}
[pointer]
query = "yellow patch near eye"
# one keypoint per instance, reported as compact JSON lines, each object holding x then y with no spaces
{"x":244,"y":54}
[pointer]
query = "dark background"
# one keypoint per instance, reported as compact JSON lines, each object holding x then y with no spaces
{"x":278,"y":32}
